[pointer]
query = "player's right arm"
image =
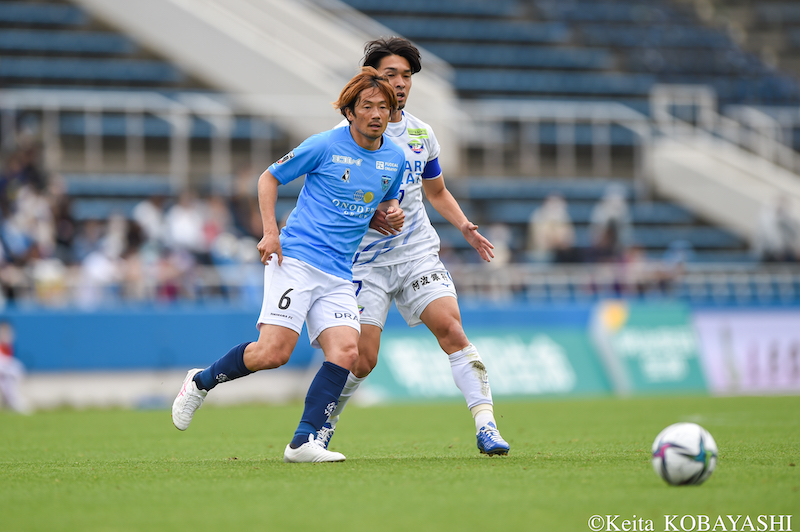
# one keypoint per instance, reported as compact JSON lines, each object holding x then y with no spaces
{"x":267,"y":196}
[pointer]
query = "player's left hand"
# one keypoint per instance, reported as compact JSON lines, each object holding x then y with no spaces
{"x":478,"y":241}
{"x":379,"y":223}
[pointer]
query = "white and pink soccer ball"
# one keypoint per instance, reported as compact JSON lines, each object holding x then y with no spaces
{"x":684,"y":454}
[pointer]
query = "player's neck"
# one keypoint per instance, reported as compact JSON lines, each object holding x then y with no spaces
{"x":368,"y":143}
{"x":397,"y":116}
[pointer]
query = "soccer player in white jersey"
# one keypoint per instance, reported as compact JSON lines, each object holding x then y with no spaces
{"x":351,"y":173}
{"x":405,"y":267}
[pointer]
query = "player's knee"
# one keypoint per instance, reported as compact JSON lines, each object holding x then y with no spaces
{"x":345,"y":359}
{"x":451,"y":336}
{"x":366,"y":363}
{"x":266,"y":357}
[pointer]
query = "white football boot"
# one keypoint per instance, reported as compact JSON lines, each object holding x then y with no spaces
{"x":313,"y":451}
{"x":188,"y":401}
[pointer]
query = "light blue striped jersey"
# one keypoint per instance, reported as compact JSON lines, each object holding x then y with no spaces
{"x":344,"y":185}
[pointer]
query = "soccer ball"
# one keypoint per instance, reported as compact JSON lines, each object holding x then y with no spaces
{"x":684,"y":453}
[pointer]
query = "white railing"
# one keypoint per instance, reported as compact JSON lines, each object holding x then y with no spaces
{"x":687,"y":110}
{"x":50,"y":106}
{"x":243,"y":284}
{"x":490,"y":120}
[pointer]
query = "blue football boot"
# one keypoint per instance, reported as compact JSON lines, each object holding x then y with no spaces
{"x":490,"y":442}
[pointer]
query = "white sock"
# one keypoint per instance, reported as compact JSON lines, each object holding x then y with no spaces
{"x":472,"y":379}
{"x":349,"y":389}
{"x":483,"y":414}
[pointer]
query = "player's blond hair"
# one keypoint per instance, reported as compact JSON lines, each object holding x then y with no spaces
{"x":367,"y":79}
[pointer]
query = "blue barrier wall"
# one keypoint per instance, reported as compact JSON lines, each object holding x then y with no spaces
{"x":194,"y":336}
{"x":134,"y":339}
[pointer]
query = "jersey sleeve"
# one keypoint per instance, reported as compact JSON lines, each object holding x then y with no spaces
{"x":300,"y":161}
{"x":433,"y":145}
{"x":432,"y":168}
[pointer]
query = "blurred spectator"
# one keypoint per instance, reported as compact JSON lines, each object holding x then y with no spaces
{"x":64,"y":224}
{"x":21,"y":169}
{"x":89,"y":238}
{"x":611,"y":229}
{"x":99,"y":276}
{"x":244,"y":204}
{"x":218,"y":220}
{"x":777,"y":236}
{"x":149,"y":214}
{"x":499,"y":284}
{"x":11,"y":371}
{"x":499,"y":235}
{"x":34,"y":217}
{"x":551,"y":235}
{"x":185,"y":226}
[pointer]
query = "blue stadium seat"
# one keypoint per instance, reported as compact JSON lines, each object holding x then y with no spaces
{"x":65,"y":42}
{"x":108,"y":185}
{"x":660,"y":213}
{"x":140,"y":71}
{"x":698,"y":237}
{"x":629,"y":12}
{"x":116,"y":125}
{"x":519,"y":212}
{"x":666,"y":36}
{"x":83,"y":209}
{"x":35,"y":13}
{"x":585,"y":133}
{"x":778,"y":12}
{"x":521,"y":56}
{"x":533,"y":82}
{"x":477,"y":30}
{"x":694,"y":61}
{"x":510,"y":189}
{"x":439,"y":7}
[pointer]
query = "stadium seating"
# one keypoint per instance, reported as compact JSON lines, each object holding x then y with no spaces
{"x":658,"y":226}
{"x":89,"y":70}
{"x":540,"y":49}
{"x":41,"y":14}
{"x":53,"y":43}
{"x":65,"y":42}
{"x":621,"y":48}
{"x":153,"y":126}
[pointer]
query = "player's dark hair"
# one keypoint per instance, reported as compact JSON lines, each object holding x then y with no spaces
{"x":376,"y":50}
{"x":368,"y":78}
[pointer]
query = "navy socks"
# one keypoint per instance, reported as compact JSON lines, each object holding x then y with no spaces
{"x":230,"y":366}
{"x":321,"y":400}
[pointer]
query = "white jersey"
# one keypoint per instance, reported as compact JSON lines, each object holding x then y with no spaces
{"x":418,"y":237}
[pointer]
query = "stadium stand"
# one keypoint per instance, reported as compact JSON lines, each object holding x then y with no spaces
{"x":658,"y":226}
{"x":601,"y":60}
{"x":51,"y":43}
{"x":623,"y":49}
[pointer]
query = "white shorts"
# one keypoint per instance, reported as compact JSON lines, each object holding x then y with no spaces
{"x":412,"y":285}
{"x":295,"y":292}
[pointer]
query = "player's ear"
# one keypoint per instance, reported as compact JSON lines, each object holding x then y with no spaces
{"x":348,"y":114}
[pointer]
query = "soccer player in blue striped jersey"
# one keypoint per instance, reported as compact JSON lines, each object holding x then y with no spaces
{"x":351,"y":173}
{"x":405,"y":267}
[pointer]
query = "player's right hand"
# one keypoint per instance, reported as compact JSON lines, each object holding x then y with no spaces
{"x":478,"y":241}
{"x":395,"y":218}
{"x":270,"y":244}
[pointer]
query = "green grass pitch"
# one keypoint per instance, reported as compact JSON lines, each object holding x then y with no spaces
{"x":411,"y":467}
